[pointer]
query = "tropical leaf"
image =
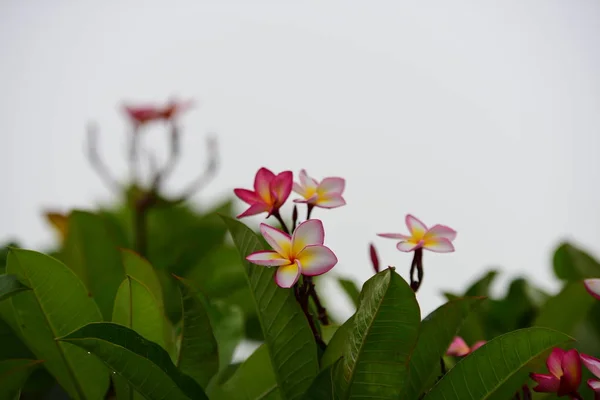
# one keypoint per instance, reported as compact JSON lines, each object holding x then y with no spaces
{"x":140,"y":269}
{"x":351,"y":290}
{"x":92,"y":253}
{"x":499,"y":368}
{"x":290,"y":343}
{"x":573,"y":264}
{"x":9,"y":286}
{"x":384,"y":333}
{"x":13,"y":375}
{"x":436,"y":333}
{"x":56,"y":305}
{"x":198,"y":354}
{"x":323,"y":387}
{"x":337,"y":344}
{"x":145,"y":365}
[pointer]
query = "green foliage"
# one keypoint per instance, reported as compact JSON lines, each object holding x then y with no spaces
{"x":10,"y":285}
{"x":13,"y":375}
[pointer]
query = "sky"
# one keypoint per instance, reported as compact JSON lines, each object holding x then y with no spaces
{"x":480,"y":115}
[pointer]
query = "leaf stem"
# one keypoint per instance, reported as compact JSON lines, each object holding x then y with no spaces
{"x":302,"y":296}
{"x":277,"y":216}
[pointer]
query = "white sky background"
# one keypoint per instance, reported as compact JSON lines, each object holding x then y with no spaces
{"x":484,"y":116}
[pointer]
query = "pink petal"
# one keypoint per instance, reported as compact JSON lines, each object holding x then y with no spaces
{"x":281,"y":187}
{"x":554,"y":362}
{"x":262,"y":183}
{"x":307,"y":233}
{"x":438,"y":245}
{"x":415,"y":226}
{"x":594,"y":385}
{"x":287,"y":275}
{"x":441,"y":231}
{"x":254,"y":209}
{"x":458,"y":347}
{"x":591,"y":363}
{"x":407,"y":246}
{"x":571,"y":366}
{"x":306,"y":180}
{"x":477,"y":345}
{"x":394,"y":236}
{"x":298,"y":189}
{"x":316,"y":260}
{"x":300,"y":201}
{"x":593,"y":286}
{"x":329,"y":201}
{"x":280,"y":241}
{"x":247,"y":196}
{"x":546,"y":383}
{"x":267,"y":258}
{"x":331,"y":185}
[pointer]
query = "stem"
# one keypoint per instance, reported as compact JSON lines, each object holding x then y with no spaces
{"x":309,"y":209}
{"x":417,"y":264}
{"x":302,"y":297}
{"x":278,"y":217}
{"x":443,"y":366}
{"x":322,"y":311}
{"x":294,"y":217}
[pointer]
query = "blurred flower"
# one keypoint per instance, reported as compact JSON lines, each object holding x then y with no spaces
{"x":59,"y":222}
{"x":302,"y":253}
{"x":565,"y":373}
{"x":144,"y":114}
{"x":270,"y":192}
{"x":593,"y":365}
{"x":374,"y":257}
{"x":459,"y":348}
{"x":438,"y":238}
{"x":593,"y":286}
{"x":326,"y":194}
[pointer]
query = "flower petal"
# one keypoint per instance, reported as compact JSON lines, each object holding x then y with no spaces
{"x":280,"y":241}
{"x":316,"y":260}
{"x":438,"y":245}
{"x":591,"y":363}
{"x":254,"y":209}
{"x":307,"y":233}
{"x":307,"y":181}
{"x":441,"y":231}
{"x":477,"y":345}
{"x":593,"y":286}
{"x":331,"y":185}
{"x":262,"y":183}
{"x":298,"y":189}
{"x":554,"y":362}
{"x":408,"y":245}
{"x":281,"y":187}
{"x":329,"y":201}
{"x":458,"y":347}
{"x":571,"y":366}
{"x":546,"y":383}
{"x":287,"y":275}
{"x":267,"y":258}
{"x":247,"y":196}
{"x":394,"y":236}
{"x":415,"y":226}
{"x":594,"y":385}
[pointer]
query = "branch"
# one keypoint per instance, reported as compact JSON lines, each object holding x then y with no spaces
{"x":96,"y":162}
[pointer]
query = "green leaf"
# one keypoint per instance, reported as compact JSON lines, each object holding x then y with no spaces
{"x":91,"y":252}
{"x":290,"y":343}
{"x":253,"y":380}
{"x":436,"y":333}
{"x":146,"y":365}
{"x":56,"y":305}
{"x":481,"y":287}
{"x":140,"y":269}
{"x":351,"y":290}
{"x":337,"y":345}
{"x":11,"y":344}
{"x":228,"y":323}
{"x":198,"y":354}
{"x":323,"y":387}
{"x":14,"y":374}
{"x":499,"y":368}
{"x":573,"y":264}
{"x":384,"y":333}
{"x":565,"y":311}
{"x":136,"y":308}
{"x":10,"y":285}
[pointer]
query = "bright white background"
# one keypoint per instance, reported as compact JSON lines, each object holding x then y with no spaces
{"x":481,"y":115}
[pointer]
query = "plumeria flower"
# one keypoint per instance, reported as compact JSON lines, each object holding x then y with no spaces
{"x":141,"y":115}
{"x":565,"y":373}
{"x":459,"y":348}
{"x":593,"y":286}
{"x":326,"y":194}
{"x":593,"y":365}
{"x":270,"y":192}
{"x":438,"y":238}
{"x":302,"y":253}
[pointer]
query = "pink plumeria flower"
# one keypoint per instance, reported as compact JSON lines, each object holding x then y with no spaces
{"x":593,"y":365}
{"x":302,"y":253}
{"x":593,"y":287}
{"x":438,"y":238}
{"x":270,"y":192}
{"x":141,"y":115}
{"x":565,"y":373}
{"x":326,"y":194}
{"x":459,"y":348}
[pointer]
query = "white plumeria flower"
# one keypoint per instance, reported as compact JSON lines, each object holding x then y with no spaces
{"x":326,"y":194}
{"x":438,"y":238}
{"x":593,"y":286}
